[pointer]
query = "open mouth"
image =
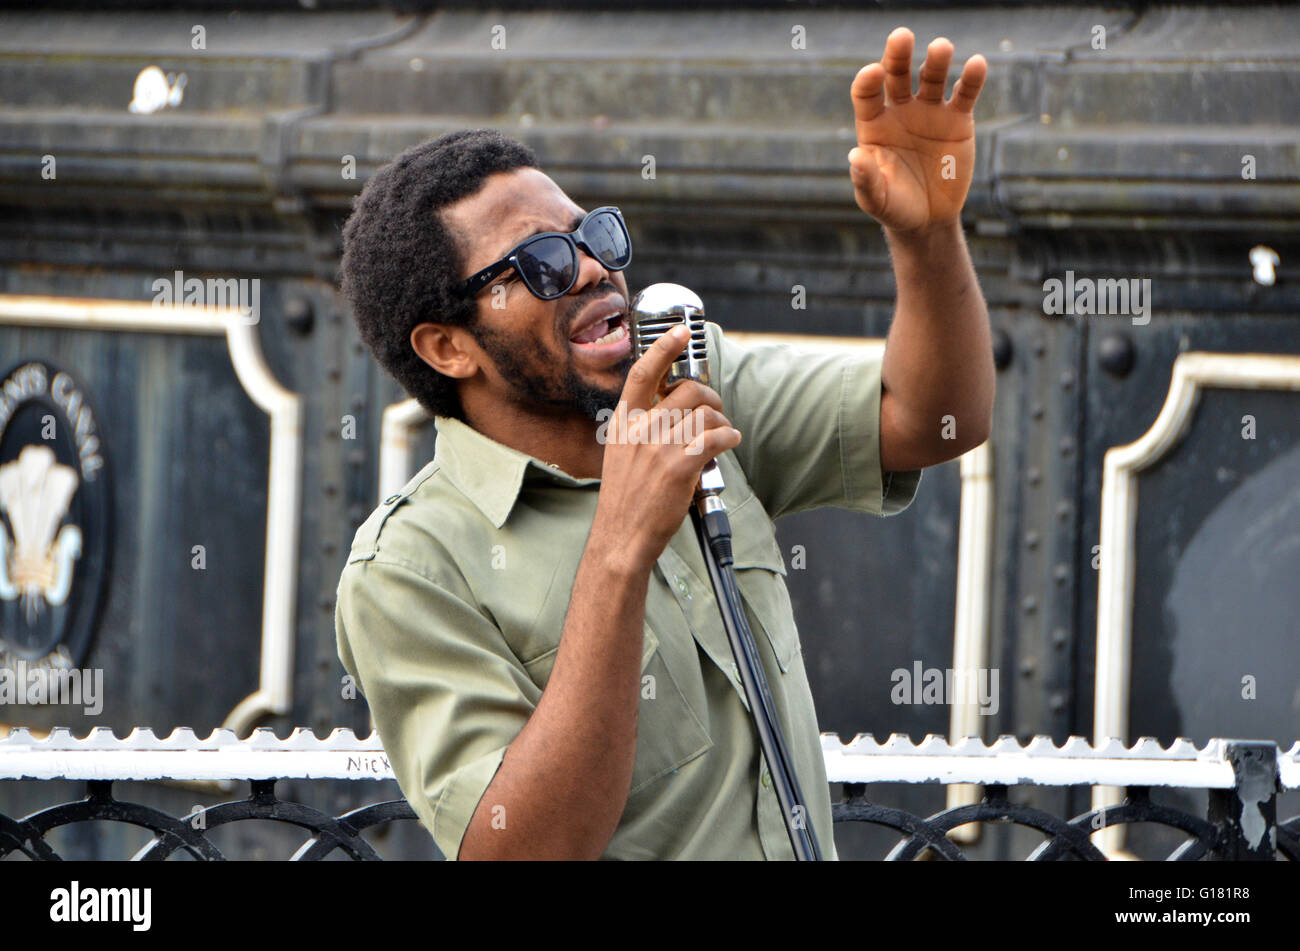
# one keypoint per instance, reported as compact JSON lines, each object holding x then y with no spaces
{"x":602,"y":332}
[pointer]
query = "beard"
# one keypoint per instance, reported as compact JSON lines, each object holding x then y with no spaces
{"x":537,"y":382}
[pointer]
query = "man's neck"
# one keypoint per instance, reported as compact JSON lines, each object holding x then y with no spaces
{"x":567,"y":441}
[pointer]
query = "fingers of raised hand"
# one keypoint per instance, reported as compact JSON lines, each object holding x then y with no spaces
{"x":934,"y":71}
{"x":868,"y":94}
{"x":969,"y":85}
{"x":897,"y":62}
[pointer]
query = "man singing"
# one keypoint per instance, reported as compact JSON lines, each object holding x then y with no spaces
{"x":530,"y":618}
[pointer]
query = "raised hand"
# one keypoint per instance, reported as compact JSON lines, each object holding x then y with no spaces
{"x":915,"y":155}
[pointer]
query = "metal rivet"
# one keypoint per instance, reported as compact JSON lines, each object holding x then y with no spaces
{"x":1063,"y":510}
{"x":1060,"y":637}
{"x":1067,"y":445}
{"x":1031,"y":539}
{"x":1030,"y":604}
{"x":1002,"y":349}
{"x":1116,"y":355}
{"x":299,"y":315}
{"x":1033,"y":475}
{"x":1061,"y":573}
{"x":1027,"y":667}
{"x":1036,"y":411}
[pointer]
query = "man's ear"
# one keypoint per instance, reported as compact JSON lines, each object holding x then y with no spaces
{"x":449,"y":350}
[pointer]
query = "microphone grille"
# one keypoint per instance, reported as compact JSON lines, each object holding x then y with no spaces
{"x":658,"y":309}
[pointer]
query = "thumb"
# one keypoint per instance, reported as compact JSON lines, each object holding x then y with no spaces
{"x":868,"y":183}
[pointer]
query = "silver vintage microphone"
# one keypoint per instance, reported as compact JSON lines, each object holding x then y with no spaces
{"x":656,"y":310}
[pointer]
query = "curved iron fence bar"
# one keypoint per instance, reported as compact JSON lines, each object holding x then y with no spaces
{"x":373,"y":815}
{"x":263,"y":804}
{"x":905,"y":822}
{"x":100,"y":806}
{"x":1190,"y":851}
{"x":16,"y":836}
{"x":999,"y":809}
{"x":314,"y":849}
{"x":1204,"y":834}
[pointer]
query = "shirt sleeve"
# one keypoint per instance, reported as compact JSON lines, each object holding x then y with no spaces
{"x":447,"y":693}
{"x":810,"y":422}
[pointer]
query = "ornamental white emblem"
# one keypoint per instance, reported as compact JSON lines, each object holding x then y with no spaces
{"x":37,"y":562}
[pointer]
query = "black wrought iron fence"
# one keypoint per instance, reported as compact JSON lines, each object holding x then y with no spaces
{"x":1243,"y":779}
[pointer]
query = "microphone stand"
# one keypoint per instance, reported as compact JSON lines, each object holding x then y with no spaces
{"x":714,"y":531}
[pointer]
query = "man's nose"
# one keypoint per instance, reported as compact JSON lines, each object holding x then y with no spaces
{"x":590,"y":271}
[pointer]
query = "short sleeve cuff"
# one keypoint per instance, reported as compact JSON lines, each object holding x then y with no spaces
{"x":866,"y":487}
{"x":460,"y":797}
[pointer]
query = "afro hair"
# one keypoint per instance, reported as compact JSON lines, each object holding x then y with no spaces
{"x":401,"y":264}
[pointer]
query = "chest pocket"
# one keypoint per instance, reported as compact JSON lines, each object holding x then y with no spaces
{"x":760,"y":575}
{"x":669,"y":734}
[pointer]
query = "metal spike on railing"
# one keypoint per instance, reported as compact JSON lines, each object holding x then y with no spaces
{"x":100,"y":754}
{"x":1007,"y":762}
{"x":343,"y":755}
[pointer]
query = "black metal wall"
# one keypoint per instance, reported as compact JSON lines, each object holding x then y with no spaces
{"x":1121,"y":162}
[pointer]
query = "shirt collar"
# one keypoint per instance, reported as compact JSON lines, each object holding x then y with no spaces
{"x":488,"y":473}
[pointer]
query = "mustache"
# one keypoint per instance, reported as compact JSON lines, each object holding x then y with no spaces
{"x":565,"y":316}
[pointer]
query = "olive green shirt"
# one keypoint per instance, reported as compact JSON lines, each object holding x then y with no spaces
{"x":452,"y":603}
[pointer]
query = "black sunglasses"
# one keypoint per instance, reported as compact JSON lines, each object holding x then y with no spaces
{"x":548,"y":263}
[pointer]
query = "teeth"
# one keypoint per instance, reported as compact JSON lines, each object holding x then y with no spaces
{"x":618,"y":333}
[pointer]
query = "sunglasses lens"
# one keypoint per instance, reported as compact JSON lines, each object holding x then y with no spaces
{"x":547,"y":265}
{"x":609,"y":240}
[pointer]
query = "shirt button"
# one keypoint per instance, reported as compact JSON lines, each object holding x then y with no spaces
{"x":391,"y":499}
{"x":767,"y":779}
{"x":683,"y":587}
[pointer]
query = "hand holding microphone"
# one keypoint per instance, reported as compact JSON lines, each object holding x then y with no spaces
{"x":655,"y":451}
